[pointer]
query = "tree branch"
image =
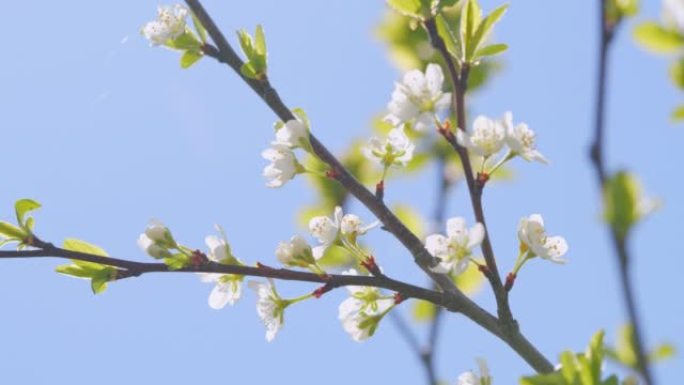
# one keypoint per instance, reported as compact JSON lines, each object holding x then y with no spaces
{"x":459,"y":80}
{"x":452,"y":296}
{"x":598,"y":160}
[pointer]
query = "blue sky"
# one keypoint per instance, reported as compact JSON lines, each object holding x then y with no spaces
{"x":107,"y":133}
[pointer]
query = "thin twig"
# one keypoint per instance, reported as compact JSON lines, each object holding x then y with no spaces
{"x":452,"y":295}
{"x":598,"y":159}
{"x":459,"y":80}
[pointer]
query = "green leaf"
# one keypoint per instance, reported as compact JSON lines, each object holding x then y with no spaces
{"x":484,"y":28}
{"x":11,"y":231}
{"x":677,"y":115}
{"x":74,"y":271}
{"x":178,"y":261}
{"x":662,"y":352}
{"x":452,"y":43}
{"x":423,"y":311}
{"x":470,"y":19}
{"x":677,"y":73}
{"x":80,"y":246}
{"x":23,"y":206}
{"x":410,"y":8}
{"x":544,"y":379}
{"x":189,"y":58}
{"x":620,"y":195}
{"x":470,"y":281}
{"x":612,"y":380}
{"x":98,"y":283}
{"x":248,"y":71}
{"x":201,"y":31}
{"x":490,"y":50}
{"x":654,"y":37}
{"x":411,"y":219}
{"x":260,"y":40}
{"x":187,"y":41}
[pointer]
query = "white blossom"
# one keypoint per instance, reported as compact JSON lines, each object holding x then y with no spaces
{"x":156,"y":240}
{"x":169,"y":25}
{"x":283,"y":167}
{"x":521,"y":140}
{"x":486,"y":139}
{"x":293,"y":134}
{"x":397,"y":149}
{"x":228,"y":287}
{"x":673,"y":14}
{"x":470,"y":378}
{"x":361,"y":313}
{"x":455,"y":249}
{"x":352,"y":225}
{"x":270,"y":307}
{"x":326,"y":230}
{"x":532,"y":235}
{"x":227,"y":291}
{"x":419,"y":97}
{"x":297,"y":252}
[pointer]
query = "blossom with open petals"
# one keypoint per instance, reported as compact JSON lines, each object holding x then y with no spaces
{"x":395,"y":150}
{"x":169,"y":25}
{"x":486,"y":138}
{"x":532,"y":235}
{"x":521,"y":140}
{"x":361,"y":313}
{"x":270,"y":306}
{"x":283,"y":166}
{"x":673,"y":14}
{"x":293,"y":134}
{"x":418,"y":98}
{"x":228,"y":289}
{"x":455,"y":249}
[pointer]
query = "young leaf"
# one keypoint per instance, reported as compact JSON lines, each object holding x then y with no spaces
{"x":484,"y":28}
{"x":189,"y":58}
{"x":654,"y":37}
{"x":677,"y":114}
{"x":490,"y":50}
{"x":260,"y":40}
{"x":11,"y":231}
{"x":186,"y":41}
{"x":80,"y":246}
{"x":410,"y":8}
{"x":453,"y":44}
{"x":23,"y":206}
{"x":201,"y":31}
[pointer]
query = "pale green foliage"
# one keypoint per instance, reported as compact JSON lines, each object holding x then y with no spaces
{"x":624,"y":203}
{"x":624,"y":351}
{"x":254,"y":49}
{"x":658,"y":38}
{"x":98,"y":274}
{"x":616,"y":10}
{"x":22,"y":232}
{"x":466,"y":39}
{"x":577,"y":369}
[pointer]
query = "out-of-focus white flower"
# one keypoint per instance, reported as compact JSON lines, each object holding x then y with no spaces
{"x":470,"y":378}
{"x":455,"y":249}
{"x":283,"y":167}
{"x":170,"y":24}
{"x":673,"y":14}
{"x":419,"y":97}
{"x":521,"y":140}
{"x":532,"y":235}
{"x":396,"y":150}
{"x":293,"y":134}
{"x":297,"y":252}
{"x":486,"y":138}
{"x":270,"y":306}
